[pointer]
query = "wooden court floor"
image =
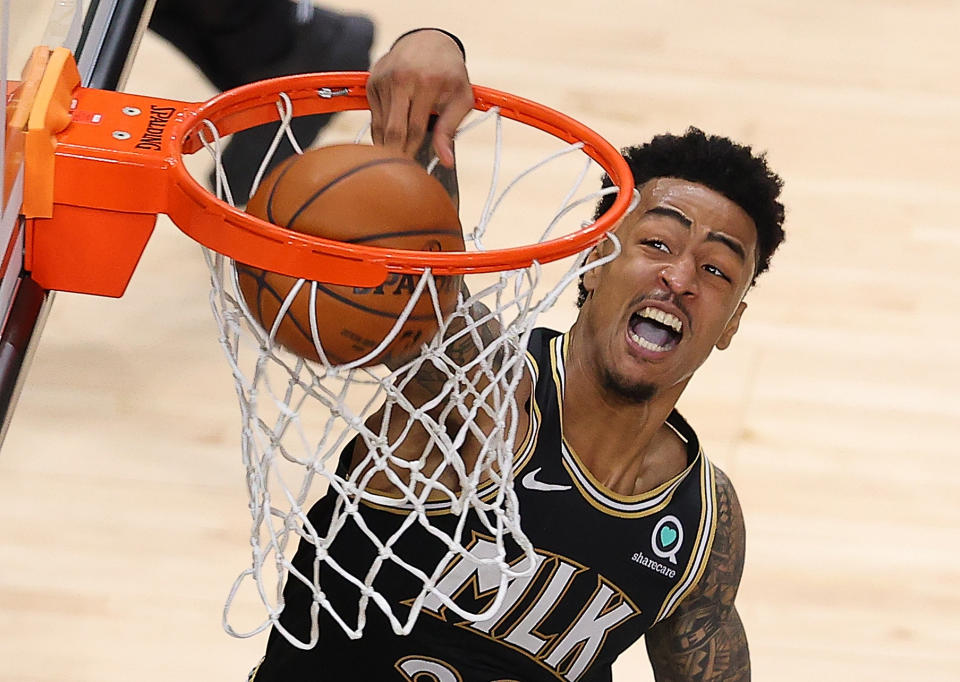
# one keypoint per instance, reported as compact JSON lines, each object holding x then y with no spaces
{"x":836,"y":412}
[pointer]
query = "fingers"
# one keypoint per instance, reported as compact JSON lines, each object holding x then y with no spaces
{"x":391,"y":96}
{"x":417,"y":120}
{"x":423,"y":72}
{"x":377,"y":112}
{"x":389,"y":100}
{"x":449,"y":118}
{"x":395,"y":129}
{"x":399,"y":117}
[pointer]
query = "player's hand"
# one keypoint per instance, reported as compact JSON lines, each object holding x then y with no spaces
{"x":423,"y":72}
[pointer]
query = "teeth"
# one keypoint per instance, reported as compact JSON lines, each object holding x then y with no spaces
{"x":663,"y":317}
{"x":643,"y":343}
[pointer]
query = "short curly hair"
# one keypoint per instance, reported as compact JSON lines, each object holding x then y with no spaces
{"x":731,"y":169}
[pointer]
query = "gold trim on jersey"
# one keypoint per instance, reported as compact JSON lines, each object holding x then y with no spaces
{"x":398,"y":666}
{"x":592,"y":490}
{"x":702,"y":545}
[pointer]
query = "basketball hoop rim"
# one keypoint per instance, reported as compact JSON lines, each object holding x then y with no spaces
{"x":347,"y":91}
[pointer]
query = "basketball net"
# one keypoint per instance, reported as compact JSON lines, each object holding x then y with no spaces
{"x":298,"y":415}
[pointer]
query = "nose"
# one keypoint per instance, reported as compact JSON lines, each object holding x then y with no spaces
{"x":680,"y":276}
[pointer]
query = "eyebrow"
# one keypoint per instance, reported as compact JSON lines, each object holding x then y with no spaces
{"x":731,"y":244}
{"x":671,"y":212}
{"x":712,"y":236}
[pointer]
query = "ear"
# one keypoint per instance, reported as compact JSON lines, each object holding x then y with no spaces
{"x":732,"y":326}
{"x":592,"y":277}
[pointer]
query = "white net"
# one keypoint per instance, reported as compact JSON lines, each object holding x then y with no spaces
{"x":440,"y":465}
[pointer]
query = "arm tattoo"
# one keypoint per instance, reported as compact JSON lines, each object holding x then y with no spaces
{"x":446,"y":176}
{"x":704,"y":639}
{"x":462,"y":350}
{"x":465,"y":348}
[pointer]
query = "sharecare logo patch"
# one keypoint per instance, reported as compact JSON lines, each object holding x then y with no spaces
{"x":667,"y":538}
{"x":665,"y":542}
{"x":653,"y":565}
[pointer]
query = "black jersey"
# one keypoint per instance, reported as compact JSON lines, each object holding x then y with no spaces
{"x":608,"y":567}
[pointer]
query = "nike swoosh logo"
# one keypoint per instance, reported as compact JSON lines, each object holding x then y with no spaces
{"x":530,"y":482}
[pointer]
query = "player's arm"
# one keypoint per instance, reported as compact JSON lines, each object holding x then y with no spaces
{"x":421,"y":86}
{"x":467,"y":344}
{"x":424,"y":72}
{"x":704,"y":640}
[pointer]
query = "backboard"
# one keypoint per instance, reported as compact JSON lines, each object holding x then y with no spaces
{"x":103,"y":35}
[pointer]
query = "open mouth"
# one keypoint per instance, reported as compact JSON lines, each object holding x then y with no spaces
{"x":655,"y":329}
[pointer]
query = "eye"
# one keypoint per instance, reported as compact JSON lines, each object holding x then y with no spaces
{"x":656,"y":244}
{"x":714,"y":270}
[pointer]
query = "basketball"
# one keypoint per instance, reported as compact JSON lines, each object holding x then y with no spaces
{"x":358,"y":194}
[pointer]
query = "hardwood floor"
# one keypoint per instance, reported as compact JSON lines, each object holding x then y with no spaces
{"x":835,"y":412}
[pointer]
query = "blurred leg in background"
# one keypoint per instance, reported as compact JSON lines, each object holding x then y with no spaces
{"x":234,"y":42}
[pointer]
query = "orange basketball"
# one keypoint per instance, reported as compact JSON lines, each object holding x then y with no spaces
{"x":362,"y":195}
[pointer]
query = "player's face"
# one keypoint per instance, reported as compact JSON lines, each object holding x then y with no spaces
{"x":674,"y":293}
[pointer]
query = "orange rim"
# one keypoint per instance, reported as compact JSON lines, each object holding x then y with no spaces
{"x":275,"y":248}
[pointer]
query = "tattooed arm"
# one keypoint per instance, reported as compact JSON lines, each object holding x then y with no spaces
{"x":427,"y":382}
{"x":429,"y":379}
{"x":704,"y":640}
